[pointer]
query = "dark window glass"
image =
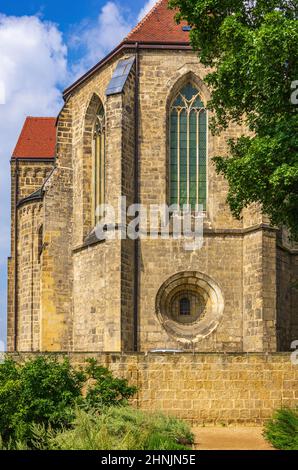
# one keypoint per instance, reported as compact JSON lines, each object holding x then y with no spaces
{"x":185,"y":306}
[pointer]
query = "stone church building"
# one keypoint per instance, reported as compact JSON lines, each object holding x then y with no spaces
{"x":136,"y":125}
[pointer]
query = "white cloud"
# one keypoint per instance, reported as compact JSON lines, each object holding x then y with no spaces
{"x":147,"y":7}
{"x":96,"y":39}
{"x":2,"y":93}
{"x":33,"y":65}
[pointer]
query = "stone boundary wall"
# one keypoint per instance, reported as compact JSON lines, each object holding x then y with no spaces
{"x":205,"y":387}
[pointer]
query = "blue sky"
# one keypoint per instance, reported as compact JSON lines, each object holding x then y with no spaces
{"x":44,"y":47}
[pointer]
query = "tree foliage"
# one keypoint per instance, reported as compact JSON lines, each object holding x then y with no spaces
{"x":103,"y":389}
{"x":251,"y":48}
{"x":46,"y":391}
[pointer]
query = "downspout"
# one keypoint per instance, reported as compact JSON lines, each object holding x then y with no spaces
{"x":137,"y":200}
{"x":16,"y":196}
{"x":32,"y":279}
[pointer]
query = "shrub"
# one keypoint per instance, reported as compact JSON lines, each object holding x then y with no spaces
{"x":45,"y":391}
{"x":104,"y":389}
{"x":47,"y":404}
{"x":282,"y":430}
{"x":41,"y":390}
{"x":120,"y":429}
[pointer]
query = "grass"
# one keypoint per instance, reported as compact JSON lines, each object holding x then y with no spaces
{"x":115,"y":428}
{"x":124,"y":429}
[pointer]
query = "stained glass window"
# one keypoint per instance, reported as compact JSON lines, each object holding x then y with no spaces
{"x":98,"y":163}
{"x":188,"y":149}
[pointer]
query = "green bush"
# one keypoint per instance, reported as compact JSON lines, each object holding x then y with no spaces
{"x":41,"y":390}
{"x":118,"y":429}
{"x":282,"y":430}
{"x":104,"y":389}
{"x":48,"y":404}
{"x":45,"y":391}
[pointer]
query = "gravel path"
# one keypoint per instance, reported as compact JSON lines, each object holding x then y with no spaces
{"x":230,"y":438}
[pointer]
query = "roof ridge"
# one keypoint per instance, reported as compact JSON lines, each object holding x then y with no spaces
{"x":41,"y":117}
{"x":140,"y":23}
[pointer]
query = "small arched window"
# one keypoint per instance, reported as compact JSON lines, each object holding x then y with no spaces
{"x":98,"y":163}
{"x":40,"y":242}
{"x":185,"y":306}
{"x":188,"y":149}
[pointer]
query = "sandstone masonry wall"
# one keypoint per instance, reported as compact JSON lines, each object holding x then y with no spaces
{"x":87,"y":288}
{"x":97,"y":297}
{"x":219,"y":258}
{"x":103,"y":272}
{"x":287,"y":297}
{"x":57,"y":268}
{"x":206,"y":388}
{"x":239,"y":261}
{"x":31,"y":176}
{"x":28,"y":324}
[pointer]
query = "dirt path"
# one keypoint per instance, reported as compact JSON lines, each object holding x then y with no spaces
{"x":230,"y":438}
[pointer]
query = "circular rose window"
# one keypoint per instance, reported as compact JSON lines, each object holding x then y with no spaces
{"x":189,"y":306}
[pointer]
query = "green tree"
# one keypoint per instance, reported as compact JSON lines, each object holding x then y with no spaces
{"x":252,"y":49}
{"x":42,"y":391}
{"x":46,"y":391}
{"x":103,"y":389}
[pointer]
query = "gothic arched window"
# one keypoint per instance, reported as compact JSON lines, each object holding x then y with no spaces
{"x":98,"y":162}
{"x":40,"y":242}
{"x":188,"y":149}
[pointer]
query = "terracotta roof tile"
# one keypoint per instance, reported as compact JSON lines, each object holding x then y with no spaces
{"x":37,"y":138}
{"x":159,"y":25}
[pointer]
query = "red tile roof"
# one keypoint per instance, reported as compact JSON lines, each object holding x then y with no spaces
{"x":37,"y":138}
{"x":157,"y":28}
{"x":160,"y":26}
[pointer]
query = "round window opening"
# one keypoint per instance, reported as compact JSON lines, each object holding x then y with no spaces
{"x":189,"y":306}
